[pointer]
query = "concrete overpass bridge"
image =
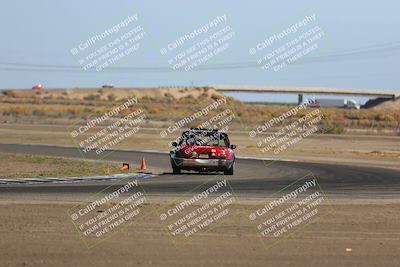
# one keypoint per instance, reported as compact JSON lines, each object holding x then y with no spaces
{"x":376,"y":94}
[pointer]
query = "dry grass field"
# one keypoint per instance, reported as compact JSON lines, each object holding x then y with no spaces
{"x":164,"y":106}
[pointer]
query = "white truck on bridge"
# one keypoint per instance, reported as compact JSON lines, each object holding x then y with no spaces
{"x":334,"y":103}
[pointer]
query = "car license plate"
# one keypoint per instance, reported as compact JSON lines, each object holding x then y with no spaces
{"x":203,"y":156}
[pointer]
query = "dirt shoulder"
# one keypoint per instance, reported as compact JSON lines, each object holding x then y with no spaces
{"x":37,"y":234}
{"x":27,"y":166}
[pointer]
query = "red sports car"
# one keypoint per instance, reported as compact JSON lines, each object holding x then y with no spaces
{"x":203,"y":150}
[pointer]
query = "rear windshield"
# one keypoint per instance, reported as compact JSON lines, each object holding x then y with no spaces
{"x":201,"y":138}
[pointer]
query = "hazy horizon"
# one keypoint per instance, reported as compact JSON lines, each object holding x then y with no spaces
{"x":359,"y":49}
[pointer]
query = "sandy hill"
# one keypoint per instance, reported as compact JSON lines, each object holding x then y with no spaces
{"x":389,"y":105}
{"x":114,"y":93}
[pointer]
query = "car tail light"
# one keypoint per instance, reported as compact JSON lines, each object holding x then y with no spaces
{"x":229,"y":156}
{"x":221,"y":154}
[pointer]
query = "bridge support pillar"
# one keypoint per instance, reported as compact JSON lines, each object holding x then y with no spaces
{"x":300,"y":99}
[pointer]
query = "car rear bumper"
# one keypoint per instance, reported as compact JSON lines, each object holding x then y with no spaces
{"x":202,"y":164}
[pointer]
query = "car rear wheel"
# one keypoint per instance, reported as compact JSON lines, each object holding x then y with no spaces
{"x":230,"y":170}
{"x":176,"y":170}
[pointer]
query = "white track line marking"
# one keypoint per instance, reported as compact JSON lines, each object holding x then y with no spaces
{"x":75,"y":179}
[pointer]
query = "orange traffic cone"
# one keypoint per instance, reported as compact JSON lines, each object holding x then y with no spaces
{"x":125,"y":167}
{"x":143,"y":166}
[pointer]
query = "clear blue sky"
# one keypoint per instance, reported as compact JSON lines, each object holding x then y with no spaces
{"x":39,"y":33}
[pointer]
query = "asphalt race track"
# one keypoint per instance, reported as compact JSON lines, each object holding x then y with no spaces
{"x":252,"y":178}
